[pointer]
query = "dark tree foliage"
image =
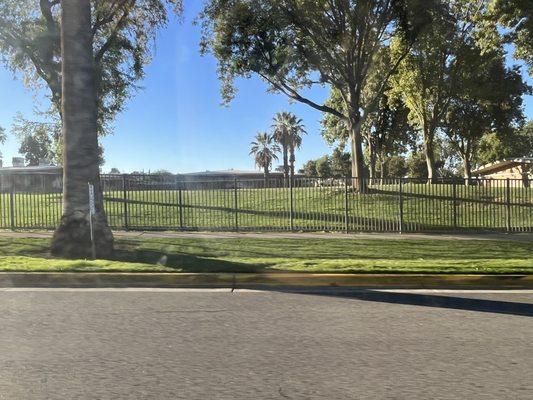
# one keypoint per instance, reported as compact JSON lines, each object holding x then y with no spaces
{"x":516,"y":16}
{"x":494,"y":147}
{"x":488,"y":99}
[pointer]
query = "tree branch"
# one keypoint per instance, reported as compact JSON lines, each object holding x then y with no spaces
{"x":293,"y":94}
{"x":113,"y":36}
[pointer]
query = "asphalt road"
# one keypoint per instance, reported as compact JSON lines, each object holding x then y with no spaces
{"x":113,"y":344}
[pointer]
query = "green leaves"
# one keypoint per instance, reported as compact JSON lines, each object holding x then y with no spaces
{"x":516,"y":17}
{"x":264,"y":150}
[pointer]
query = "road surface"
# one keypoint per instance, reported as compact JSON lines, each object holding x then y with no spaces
{"x":176,"y":344}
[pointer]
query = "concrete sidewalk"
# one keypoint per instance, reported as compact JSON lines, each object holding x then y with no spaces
{"x":518,"y":237}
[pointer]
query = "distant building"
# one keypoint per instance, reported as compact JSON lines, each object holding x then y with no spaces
{"x":226,"y":179}
{"x":41,"y":178}
{"x":520,"y":170}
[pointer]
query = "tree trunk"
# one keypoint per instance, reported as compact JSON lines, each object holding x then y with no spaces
{"x":358,"y":169}
{"x":467,"y":166}
{"x":80,"y":151}
{"x":292,"y":159}
{"x":265,"y":175}
{"x":383,"y":166}
{"x":285,"y":166}
{"x":372,"y":163}
{"x":429,"y":153}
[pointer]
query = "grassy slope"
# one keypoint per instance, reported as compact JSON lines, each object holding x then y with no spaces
{"x":302,"y":255}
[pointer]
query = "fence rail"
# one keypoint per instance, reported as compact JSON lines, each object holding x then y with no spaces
{"x":165,"y":202}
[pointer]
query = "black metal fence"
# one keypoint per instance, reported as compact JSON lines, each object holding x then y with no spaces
{"x":166,"y":202}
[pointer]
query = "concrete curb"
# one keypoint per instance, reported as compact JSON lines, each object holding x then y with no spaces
{"x":268,"y":280}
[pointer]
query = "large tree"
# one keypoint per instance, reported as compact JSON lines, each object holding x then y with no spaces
{"x":295,"y":44}
{"x":386,"y":131}
{"x":96,"y":60}
{"x":488,"y":99}
{"x":80,"y":165}
{"x":427,"y":78}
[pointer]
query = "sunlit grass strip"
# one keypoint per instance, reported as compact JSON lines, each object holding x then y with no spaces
{"x":296,"y":255}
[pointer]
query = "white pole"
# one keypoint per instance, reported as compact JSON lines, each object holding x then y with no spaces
{"x":91,"y":213}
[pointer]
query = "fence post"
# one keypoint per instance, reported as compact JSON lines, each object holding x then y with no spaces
{"x":180,"y":203}
{"x":508,"y":204}
{"x":236,"y":204}
{"x":125,"y":196}
{"x":12,"y":204}
{"x":454,"y":192}
{"x":291,"y":206}
{"x":346,"y":214}
{"x":400,"y":196}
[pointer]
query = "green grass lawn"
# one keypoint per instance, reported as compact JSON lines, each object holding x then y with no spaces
{"x":296,"y":255}
{"x":425,"y":208}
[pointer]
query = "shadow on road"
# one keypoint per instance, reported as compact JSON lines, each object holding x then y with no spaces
{"x":434,"y":301}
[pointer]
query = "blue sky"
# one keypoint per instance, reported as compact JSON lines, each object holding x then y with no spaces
{"x":176,"y":122}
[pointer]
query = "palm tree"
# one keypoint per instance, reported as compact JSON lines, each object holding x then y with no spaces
{"x":264,"y":151}
{"x":280,"y":133}
{"x":288,"y":130}
{"x":297,"y":129}
{"x":81,"y":153}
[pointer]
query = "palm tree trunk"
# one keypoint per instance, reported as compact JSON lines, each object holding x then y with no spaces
{"x":265,"y":174}
{"x":80,"y":152}
{"x":292,"y":159}
{"x":285,"y":165}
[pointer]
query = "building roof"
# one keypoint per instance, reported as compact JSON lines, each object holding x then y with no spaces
{"x":226,"y":172}
{"x":502,"y":165}
{"x":39,"y":169}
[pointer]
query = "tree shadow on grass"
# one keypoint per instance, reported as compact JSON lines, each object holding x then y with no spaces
{"x":238,"y":247}
{"x":25,"y":247}
{"x":183,"y":262}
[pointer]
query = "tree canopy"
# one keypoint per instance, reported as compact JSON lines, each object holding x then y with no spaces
{"x":488,"y":99}
{"x":34,"y":139}
{"x":516,"y":17}
{"x":295,"y":44}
